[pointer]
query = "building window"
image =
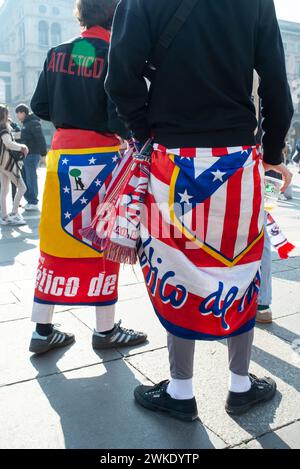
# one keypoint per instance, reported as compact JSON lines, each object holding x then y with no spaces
{"x":42,"y":9}
{"x":4,"y":66}
{"x":22,"y":36}
{"x":55,"y":11}
{"x":43,"y":34}
{"x":5,"y":90}
{"x":2,"y":91}
{"x":55,"y":34}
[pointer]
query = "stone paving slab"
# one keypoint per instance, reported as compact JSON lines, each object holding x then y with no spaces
{"x":12,"y":312}
{"x":280,"y":267}
{"x":23,"y":252}
{"x":271,"y":356}
{"x":17,"y":363}
{"x":285,"y":438}
{"x":288,"y":275}
{"x":91,"y":408}
{"x":286,"y":298}
{"x":287,"y":328}
{"x":22,"y":310}
{"x":293,"y":262}
{"x":6,"y":294}
{"x":130,"y":275}
{"x":15,"y":272}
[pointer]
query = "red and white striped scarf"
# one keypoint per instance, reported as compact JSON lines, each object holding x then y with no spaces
{"x":278,"y":238}
{"x":116,"y":226}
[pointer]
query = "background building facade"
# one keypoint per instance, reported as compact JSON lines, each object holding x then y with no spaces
{"x":291,"y":42}
{"x":30,"y":27}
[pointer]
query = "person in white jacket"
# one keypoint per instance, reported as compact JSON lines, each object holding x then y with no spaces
{"x":10,"y":171}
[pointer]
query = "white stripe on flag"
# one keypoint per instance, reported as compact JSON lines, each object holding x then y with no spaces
{"x":201,"y":281}
{"x":69,"y":228}
{"x":102,"y":193}
{"x":247,"y":194}
{"x":261,"y":218}
{"x":217,"y":213}
{"x":160,"y":191}
{"x":86,"y":220}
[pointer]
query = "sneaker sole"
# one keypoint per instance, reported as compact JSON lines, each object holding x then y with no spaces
{"x":116,"y":345}
{"x":264,"y":321}
{"x":40,"y":350}
{"x":243,"y":409}
{"x":177,"y":415}
{"x":17,"y":224}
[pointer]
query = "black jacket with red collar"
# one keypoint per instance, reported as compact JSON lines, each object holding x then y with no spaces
{"x":70,"y":92}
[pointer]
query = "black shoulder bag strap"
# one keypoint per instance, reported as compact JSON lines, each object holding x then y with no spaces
{"x":176,"y":23}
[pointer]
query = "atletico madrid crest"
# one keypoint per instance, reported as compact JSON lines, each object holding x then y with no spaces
{"x":210,"y":200}
{"x":83,"y":182}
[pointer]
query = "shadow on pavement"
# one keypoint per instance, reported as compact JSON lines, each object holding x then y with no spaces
{"x":279,"y":331}
{"x":12,"y":245}
{"x":248,"y":421}
{"x":97,"y":409}
{"x":272,"y":441}
{"x":285,"y":371}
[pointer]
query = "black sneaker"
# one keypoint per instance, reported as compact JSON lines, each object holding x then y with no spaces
{"x":156,"y":398}
{"x":41,"y":344}
{"x":118,"y":337}
{"x":261,"y":390}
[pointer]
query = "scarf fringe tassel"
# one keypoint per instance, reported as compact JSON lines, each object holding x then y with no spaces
{"x":121,"y":254}
{"x":90,"y":234}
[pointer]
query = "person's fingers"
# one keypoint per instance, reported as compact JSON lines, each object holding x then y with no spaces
{"x":287,"y":179}
{"x":287,"y":176}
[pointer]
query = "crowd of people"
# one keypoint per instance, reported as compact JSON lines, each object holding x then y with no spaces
{"x":21,"y":150}
{"x":139,"y":74}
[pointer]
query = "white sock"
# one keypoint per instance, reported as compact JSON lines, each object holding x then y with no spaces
{"x":239,"y":383}
{"x":105,"y":318}
{"x":181,"y":388}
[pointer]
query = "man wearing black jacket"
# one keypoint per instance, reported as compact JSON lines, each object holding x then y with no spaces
{"x":199,"y":107}
{"x":32,"y":136}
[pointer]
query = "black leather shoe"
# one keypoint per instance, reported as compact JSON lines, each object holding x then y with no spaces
{"x":156,"y":398}
{"x":261,"y":390}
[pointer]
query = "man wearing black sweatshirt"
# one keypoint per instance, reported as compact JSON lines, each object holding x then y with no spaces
{"x":200,"y":104}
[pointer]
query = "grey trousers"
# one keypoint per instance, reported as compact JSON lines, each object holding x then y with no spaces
{"x":181,"y":355}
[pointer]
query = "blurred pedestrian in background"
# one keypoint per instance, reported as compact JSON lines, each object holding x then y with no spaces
{"x":296,"y":156}
{"x":10,"y":170}
{"x":32,"y":136}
